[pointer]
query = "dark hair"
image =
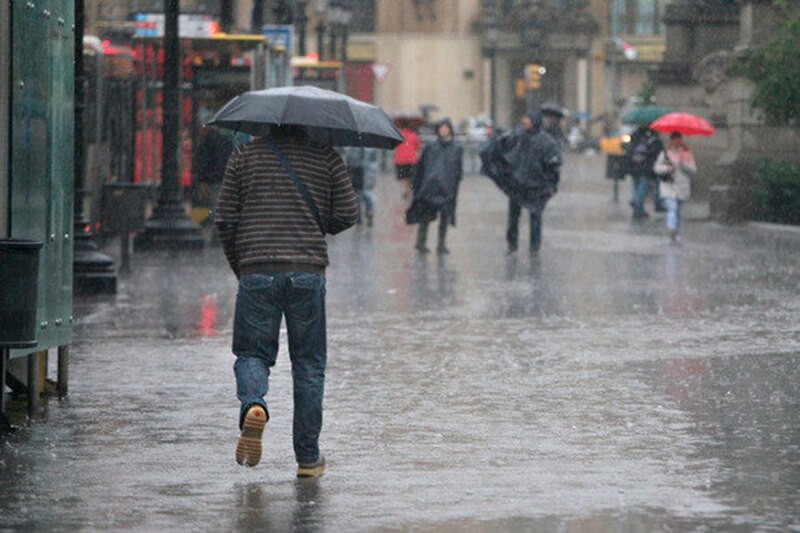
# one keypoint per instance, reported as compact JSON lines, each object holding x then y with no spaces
{"x":675,"y":135}
{"x":282,"y":131}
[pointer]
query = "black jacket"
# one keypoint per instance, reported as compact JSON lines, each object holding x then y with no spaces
{"x":435,"y":182}
{"x":643,"y":151}
{"x":535,"y":160}
{"x":525,"y":166}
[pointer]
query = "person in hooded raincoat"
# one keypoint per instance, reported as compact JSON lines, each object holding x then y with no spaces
{"x":534,"y":161}
{"x":435,"y":187}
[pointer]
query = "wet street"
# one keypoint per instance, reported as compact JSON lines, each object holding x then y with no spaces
{"x":613,"y":382}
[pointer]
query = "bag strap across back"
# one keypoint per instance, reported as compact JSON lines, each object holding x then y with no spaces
{"x":301,"y":187}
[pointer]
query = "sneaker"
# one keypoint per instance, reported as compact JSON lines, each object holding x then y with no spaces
{"x":442,"y":250}
{"x":248,"y":449}
{"x":312,"y":470}
{"x":423,"y":249}
{"x":511,"y":249}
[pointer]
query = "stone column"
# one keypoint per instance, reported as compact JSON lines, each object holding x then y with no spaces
{"x":504,"y":91}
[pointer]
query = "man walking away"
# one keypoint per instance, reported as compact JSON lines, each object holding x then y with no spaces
{"x":535,"y":159}
{"x":279,"y":197}
{"x":643,"y":150}
{"x":435,"y":186}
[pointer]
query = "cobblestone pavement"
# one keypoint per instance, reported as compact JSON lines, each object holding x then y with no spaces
{"x":613,"y":382}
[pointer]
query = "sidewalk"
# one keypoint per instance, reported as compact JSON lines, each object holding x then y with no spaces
{"x":612,"y":382}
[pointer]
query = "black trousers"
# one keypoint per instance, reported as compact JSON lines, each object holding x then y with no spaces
{"x":512,"y":234}
{"x":422,"y":232}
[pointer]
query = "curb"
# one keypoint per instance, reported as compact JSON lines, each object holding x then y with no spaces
{"x":782,"y":229}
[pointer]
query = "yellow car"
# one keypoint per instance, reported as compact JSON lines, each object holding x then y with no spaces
{"x":615,"y":148}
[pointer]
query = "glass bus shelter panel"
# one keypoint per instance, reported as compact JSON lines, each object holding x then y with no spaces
{"x":41,"y":191}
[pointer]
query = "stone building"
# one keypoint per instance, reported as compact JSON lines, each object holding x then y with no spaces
{"x":446,"y":52}
{"x":706,"y":40}
{"x":442,"y":52}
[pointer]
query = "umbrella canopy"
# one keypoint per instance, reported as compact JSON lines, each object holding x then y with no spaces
{"x":683,"y":123}
{"x":408,"y":119}
{"x":552,"y":108}
{"x":645,"y":115}
{"x":331,"y":118}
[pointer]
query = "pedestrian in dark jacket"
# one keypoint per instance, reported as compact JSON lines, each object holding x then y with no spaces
{"x":276,"y":247}
{"x":435,"y":186}
{"x":535,"y":161}
{"x":642,"y":152}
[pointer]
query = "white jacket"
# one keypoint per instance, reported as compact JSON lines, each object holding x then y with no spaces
{"x":684,"y":168}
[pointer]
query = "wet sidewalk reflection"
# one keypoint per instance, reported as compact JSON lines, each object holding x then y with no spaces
{"x":611,"y":382}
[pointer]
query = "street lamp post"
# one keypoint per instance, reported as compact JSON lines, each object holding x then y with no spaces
{"x":257,"y":18}
{"x":321,"y":10}
{"x":94,"y":271}
{"x":339,"y":16}
{"x":300,"y":22}
{"x":226,"y":15}
{"x":347,"y":16}
{"x":169,"y":228}
{"x":333,"y":31}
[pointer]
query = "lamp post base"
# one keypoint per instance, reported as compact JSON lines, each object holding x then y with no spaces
{"x":169,"y":229}
{"x":93,"y":271}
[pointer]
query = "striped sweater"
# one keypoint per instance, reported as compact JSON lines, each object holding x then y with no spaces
{"x":263,"y":222}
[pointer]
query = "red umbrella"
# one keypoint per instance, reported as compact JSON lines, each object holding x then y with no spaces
{"x":683,"y":123}
{"x":406,"y":119}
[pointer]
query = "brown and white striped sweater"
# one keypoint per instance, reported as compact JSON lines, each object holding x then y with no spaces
{"x":264,"y":224}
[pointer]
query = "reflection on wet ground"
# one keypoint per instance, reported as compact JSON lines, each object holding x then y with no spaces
{"x":613,"y":382}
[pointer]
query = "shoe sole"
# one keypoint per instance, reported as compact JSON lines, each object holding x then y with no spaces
{"x":248,"y":449}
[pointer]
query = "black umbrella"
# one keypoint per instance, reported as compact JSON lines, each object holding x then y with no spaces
{"x":552,"y":108}
{"x":331,"y":118}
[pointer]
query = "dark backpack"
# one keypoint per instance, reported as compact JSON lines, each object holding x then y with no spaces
{"x":640,"y":152}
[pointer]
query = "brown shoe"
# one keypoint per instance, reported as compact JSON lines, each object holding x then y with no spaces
{"x":248,"y":449}
{"x":314,"y":469}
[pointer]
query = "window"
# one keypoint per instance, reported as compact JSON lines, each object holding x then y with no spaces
{"x":637,"y":17}
{"x":364,"y":16}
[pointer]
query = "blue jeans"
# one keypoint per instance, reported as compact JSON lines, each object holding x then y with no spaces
{"x":262,"y":300}
{"x":641,"y":184}
{"x":673,"y":206}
